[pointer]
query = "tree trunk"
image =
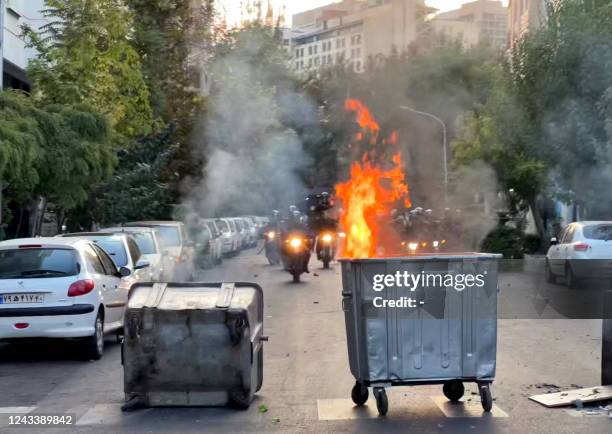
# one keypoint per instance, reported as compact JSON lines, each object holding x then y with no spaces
{"x":41,"y":217}
{"x":539,"y":223}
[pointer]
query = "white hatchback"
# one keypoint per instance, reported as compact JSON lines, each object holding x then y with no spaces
{"x":61,"y":288}
{"x":584,"y":250}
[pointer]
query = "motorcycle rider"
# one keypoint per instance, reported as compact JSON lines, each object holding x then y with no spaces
{"x":295,"y":224}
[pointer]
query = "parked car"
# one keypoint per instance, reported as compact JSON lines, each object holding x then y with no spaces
{"x":253,"y":230}
{"x":216,"y":247}
{"x":122,"y":249}
{"x":61,"y":288}
{"x":230,"y":237}
{"x":149,"y":243}
{"x":243,"y":232}
{"x":178,"y":250}
{"x":584,"y":250}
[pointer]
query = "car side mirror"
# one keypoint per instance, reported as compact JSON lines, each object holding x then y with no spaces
{"x":190,"y":244}
{"x":554,"y":241}
{"x":124,"y":272}
{"x":142,"y":264}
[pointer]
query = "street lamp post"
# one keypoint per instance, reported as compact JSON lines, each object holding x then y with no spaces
{"x":444,"y":145}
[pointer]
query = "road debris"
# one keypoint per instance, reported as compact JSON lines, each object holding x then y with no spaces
{"x":263,"y":408}
{"x":576,"y":397}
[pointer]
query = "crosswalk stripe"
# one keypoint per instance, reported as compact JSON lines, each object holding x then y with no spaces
{"x":16,"y":410}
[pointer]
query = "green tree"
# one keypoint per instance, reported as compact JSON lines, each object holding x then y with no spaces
{"x":85,"y":55}
{"x":51,"y":153}
{"x":563,"y":82}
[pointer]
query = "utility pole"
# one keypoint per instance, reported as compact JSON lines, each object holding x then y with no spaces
{"x":444,"y":145}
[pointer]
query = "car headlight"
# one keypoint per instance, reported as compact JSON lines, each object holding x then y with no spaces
{"x":436,"y":244}
{"x":295,"y":242}
{"x":327,"y":238}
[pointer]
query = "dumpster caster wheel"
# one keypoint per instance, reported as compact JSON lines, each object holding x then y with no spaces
{"x":453,"y":390}
{"x":486,"y":398}
{"x":382,"y":403}
{"x":359,"y":394}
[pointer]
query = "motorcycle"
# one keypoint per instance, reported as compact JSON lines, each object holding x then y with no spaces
{"x":295,"y":254}
{"x":326,"y":248}
{"x":271,"y":247}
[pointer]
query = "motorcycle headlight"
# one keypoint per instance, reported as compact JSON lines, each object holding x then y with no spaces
{"x":295,"y":242}
{"x":327,"y":238}
{"x":413,"y":246}
{"x":341,"y":234}
{"x":271,"y":235}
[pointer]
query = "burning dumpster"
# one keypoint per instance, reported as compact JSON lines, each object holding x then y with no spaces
{"x":193,"y":344}
{"x":421,"y":320}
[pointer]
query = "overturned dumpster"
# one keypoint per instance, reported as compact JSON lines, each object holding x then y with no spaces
{"x":428,"y":319}
{"x":193,"y":344}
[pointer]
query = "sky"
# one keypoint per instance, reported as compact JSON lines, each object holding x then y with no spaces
{"x":296,"y":6}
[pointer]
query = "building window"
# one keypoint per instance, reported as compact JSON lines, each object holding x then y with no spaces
{"x":358,"y":66}
{"x":316,"y":61}
{"x":309,"y":63}
{"x":329,"y":59}
{"x":297,"y":65}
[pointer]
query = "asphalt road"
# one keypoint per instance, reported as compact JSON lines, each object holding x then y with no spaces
{"x":307,"y":382}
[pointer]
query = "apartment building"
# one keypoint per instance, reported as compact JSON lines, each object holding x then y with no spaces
{"x":477,"y":22}
{"x":353,"y":31}
{"x":13,"y":51}
{"x":525,"y":15}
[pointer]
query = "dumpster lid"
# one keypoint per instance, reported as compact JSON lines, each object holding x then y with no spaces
{"x":186,"y":296}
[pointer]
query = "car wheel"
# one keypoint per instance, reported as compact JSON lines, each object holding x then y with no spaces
{"x":550,"y":277}
{"x":93,"y":345}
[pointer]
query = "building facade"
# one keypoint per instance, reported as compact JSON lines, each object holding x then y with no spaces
{"x":15,"y":55}
{"x":474,"y":23}
{"x":352,"y":31}
{"x":525,"y":15}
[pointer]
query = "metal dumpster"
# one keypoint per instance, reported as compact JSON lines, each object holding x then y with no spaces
{"x":193,"y":344}
{"x":446,"y":335}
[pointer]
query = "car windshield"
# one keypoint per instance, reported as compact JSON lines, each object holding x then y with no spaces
{"x":222,"y":225}
{"x":38,"y":263}
{"x":169,"y":236}
{"x":598,"y":232}
{"x":145,"y":242}
{"x":115,"y":250}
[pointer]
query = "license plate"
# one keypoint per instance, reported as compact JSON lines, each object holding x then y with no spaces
{"x":21,"y":298}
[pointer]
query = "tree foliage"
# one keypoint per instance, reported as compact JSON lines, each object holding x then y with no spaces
{"x":85,"y":55}
{"x":53,"y":152}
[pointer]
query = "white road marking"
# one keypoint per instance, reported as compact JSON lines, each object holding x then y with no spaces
{"x":102,"y":414}
{"x":466,"y":408}
{"x":345,"y":409}
{"x":16,"y":410}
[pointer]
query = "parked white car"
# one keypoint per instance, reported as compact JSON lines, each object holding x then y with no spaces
{"x":61,"y":288}
{"x":178,"y":250}
{"x":252,"y":230}
{"x":216,"y":241}
{"x":149,"y":244}
{"x":243,"y":232}
{"x":122,"y":249}
{"x":230,"y":236}
{"x":584,"y":250}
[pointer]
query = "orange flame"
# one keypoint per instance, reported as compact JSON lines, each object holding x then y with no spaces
{"x":371,"y":192}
